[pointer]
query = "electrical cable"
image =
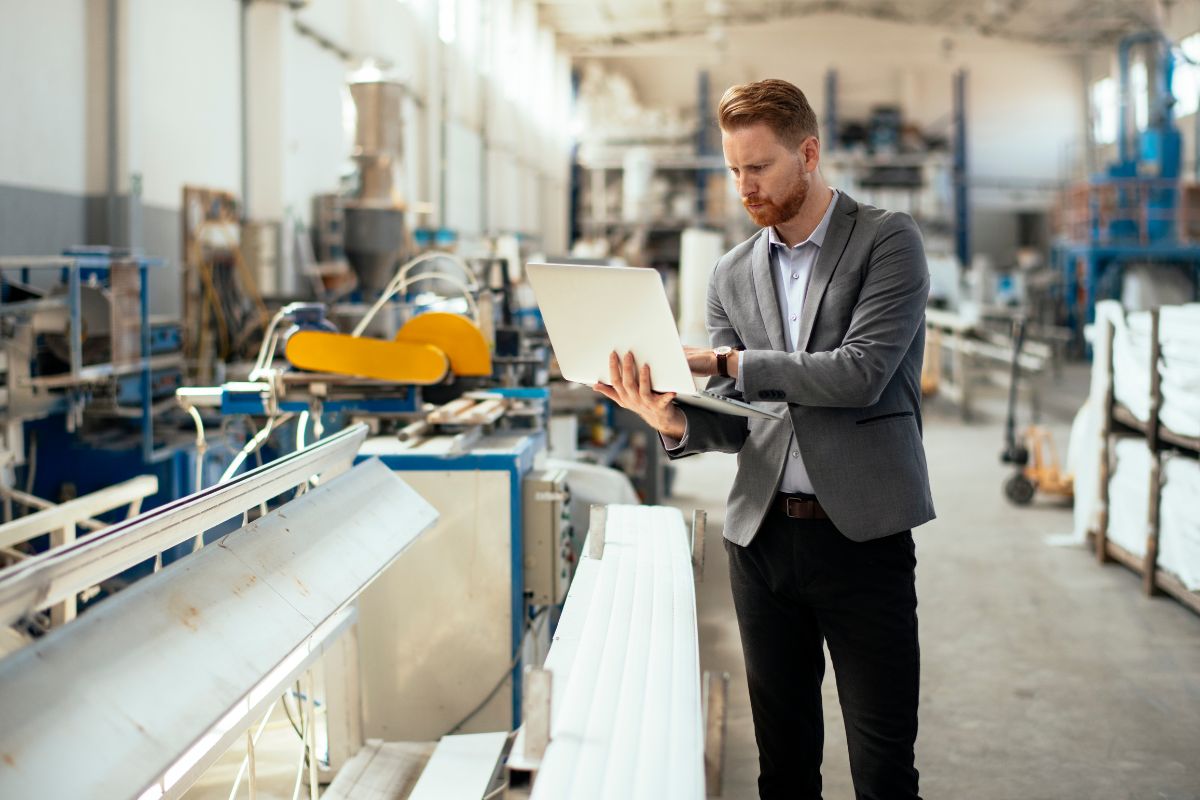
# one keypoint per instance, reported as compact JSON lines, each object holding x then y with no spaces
{"x":301,"y":424}
{"x":401,"y":280}
{"x":538,"y":618}
{"x":31,"y":462}
{"x":472,"y":306}
{"x":264,"y":360}
{"x":237,"y":782}
{"x":471,"y":281}
{"x":253,"y":446}
{"x":305,"y":755}
{"x":201,"y":449}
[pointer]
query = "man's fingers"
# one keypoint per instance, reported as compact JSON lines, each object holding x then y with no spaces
{"x":616,"y":378}
{"x":629,"y":374}
{"x":644,"y":384}
{"x":607,"y":391}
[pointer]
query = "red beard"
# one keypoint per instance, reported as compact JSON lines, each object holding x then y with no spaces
{"x":770,"y":213}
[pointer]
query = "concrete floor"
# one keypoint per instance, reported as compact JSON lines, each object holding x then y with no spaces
{"x":1044,"y":674}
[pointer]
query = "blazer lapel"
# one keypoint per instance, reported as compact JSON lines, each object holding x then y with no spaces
{"x":841,"y":224}
{"x":764,"y":290}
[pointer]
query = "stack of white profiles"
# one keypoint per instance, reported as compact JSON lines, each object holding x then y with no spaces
{"x":1178,"y":366}
{"x":625,"y":713}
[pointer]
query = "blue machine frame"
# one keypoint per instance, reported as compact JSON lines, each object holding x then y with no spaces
{"x":75,"y":266}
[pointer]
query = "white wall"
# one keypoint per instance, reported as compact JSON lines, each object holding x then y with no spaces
{"x":44,"y":124}
{"x":179,"y":107}
{"x":1023,"y":101}
{"x":315,"y":148}
{"x":184,"y":120}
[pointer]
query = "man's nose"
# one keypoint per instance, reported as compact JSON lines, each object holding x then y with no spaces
{"x":747,"y":186}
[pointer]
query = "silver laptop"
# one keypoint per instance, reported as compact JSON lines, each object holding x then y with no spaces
{"x":591,"y":311}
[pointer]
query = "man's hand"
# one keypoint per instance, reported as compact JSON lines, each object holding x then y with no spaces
{"x":631,"y":389}
{"x":703,"y":361}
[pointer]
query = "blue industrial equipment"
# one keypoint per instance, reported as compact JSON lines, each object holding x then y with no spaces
{"x":1131,"y":213}
{"x":305,"y":317}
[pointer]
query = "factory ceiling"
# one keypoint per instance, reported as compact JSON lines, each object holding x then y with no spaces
{"x":587,"y":25}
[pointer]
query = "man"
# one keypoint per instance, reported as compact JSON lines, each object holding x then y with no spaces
{"x":820,"y":313}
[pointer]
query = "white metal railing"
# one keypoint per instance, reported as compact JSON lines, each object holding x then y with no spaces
{"x":61,"y":520}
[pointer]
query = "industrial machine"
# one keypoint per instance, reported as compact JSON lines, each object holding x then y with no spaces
{"x":88,"y":377}
{"x":375,"y":237}
{"x":1132,"y":213}
{"x":495,"y":568}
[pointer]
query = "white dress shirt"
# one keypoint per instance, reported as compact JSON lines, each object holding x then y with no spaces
{"x":792,"y":267}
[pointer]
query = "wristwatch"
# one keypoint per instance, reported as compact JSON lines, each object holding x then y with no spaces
{"x":723,"y":359}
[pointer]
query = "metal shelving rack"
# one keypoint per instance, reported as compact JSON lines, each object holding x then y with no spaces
{"x":1119,"y":419}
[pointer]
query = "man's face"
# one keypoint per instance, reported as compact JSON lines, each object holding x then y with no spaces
{"x":772,"y":179}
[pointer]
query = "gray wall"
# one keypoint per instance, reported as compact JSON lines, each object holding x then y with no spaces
{"x":37,"y":222}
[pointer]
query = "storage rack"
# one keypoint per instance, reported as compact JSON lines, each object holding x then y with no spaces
{"x":1159,"y":438}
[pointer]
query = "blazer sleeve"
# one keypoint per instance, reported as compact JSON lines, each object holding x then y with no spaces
{"x":885,"y":319}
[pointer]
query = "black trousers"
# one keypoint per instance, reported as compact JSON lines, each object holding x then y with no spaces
{"x":797,"y":584}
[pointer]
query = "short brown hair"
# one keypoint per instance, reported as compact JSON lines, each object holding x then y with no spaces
{"x":779,"y":104}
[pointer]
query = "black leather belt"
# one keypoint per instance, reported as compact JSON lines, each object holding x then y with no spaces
{"x":799,"y":507}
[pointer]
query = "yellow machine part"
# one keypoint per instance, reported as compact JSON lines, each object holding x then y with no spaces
{"x":401,"y":362}
{"x":456,"y":336}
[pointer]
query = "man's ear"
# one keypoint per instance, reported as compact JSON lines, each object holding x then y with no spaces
{"x":810,"y":152}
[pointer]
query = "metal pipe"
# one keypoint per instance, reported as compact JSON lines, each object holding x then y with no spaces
{"x":962,"y":209}
{"x":112,"y":123}
{"x":244,"y":83}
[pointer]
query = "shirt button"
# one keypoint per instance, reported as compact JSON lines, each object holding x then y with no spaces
{"x":795,"y":276}
{"x":793,"y":317}
{"x":795,"y":454}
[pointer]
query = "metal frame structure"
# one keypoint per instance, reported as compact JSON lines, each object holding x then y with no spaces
{"x":72,"y":267}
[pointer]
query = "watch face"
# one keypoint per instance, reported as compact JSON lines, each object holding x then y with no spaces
{"x":723,"y":350}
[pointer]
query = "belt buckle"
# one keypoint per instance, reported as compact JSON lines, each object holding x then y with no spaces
{"x":799,"y":508}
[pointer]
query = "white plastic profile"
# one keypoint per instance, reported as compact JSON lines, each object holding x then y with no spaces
{"x":142,"y":692}
{"x":56,"y":575}
{"x":625,"y":711}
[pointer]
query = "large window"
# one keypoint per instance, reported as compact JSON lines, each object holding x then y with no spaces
{"x":1186,"y":83}
{"x":1104,"y":111}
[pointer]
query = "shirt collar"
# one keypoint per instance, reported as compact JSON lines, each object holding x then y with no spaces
{"x":817,"y":237}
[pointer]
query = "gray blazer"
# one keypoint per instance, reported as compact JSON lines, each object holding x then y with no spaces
{"x":852,"y":389}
